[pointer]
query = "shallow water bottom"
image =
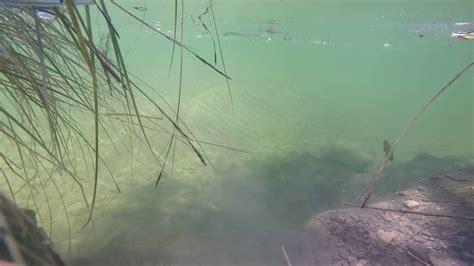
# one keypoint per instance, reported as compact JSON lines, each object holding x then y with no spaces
{"x":241,"y":221}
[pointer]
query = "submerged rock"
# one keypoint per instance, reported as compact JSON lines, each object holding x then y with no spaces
{"x":411,"y":204}
{"x":377,"y":237}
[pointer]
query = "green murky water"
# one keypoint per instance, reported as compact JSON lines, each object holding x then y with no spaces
{"x":317,"y":86}
{"x":308,"y":73}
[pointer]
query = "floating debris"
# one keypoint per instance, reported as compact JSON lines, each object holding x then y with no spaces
{"x":463,"y":35}
{"x":157,"y":25}
{"x":245,"y":35}
{"x":463,"y":23}
{"x":45,"y":14}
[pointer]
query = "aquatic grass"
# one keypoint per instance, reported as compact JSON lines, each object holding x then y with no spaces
{"x":189,"y":50}
{"x":211,"y":6}
{"x":53,"y":71}
{"x":180,"y":87}
{"x":175,"y":26}
{"x":206,"y":11}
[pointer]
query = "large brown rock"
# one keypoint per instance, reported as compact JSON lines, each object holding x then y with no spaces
{"x":358,"y":236}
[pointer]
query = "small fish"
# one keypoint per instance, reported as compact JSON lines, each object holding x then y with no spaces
{"x":386,"y":148}
{"x":140,"y":8}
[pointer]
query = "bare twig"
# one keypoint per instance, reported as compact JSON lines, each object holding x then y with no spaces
{"x":455,"y":178}
{"x":288,"y":262}
{"x":416,"y":258}
{"x":379,"y":171}
{"x":468,"y":218}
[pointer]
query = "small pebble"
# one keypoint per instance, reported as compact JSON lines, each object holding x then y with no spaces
{"x":387,"y":216}
{"x":387,"y":237}
{"x":411,"y":204}
{"x":351,"y":258}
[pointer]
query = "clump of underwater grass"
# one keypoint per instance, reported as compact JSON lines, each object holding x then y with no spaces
{"x":51,"y":71}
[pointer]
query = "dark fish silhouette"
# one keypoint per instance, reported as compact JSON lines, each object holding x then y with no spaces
{"x":140,"y":8}
{"x":386,"y":149}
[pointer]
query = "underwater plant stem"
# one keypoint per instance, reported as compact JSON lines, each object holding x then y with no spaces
{"x":180,"y":86}
{"x":87,"y":58}
{"x":9,"y":185}
{"x":42,"y":88}
{"x":469,"y":218}
{"x":379,"y":171}
{"x":174,"y":34}
{"x":200,"y":58}
{"x":211,"y":3}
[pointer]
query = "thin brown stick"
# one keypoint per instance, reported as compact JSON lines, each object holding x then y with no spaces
{"x":416,"y":258}
{"x":456,"y":179}
{"x":288,"y":262}
{"x":468,"y":218}
{"x":379,"y":171}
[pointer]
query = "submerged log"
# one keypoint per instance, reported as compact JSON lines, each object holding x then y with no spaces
{"x":433,"y":224}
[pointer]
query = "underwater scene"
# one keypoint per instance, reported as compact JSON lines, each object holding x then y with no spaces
{"x":153,"y":132}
